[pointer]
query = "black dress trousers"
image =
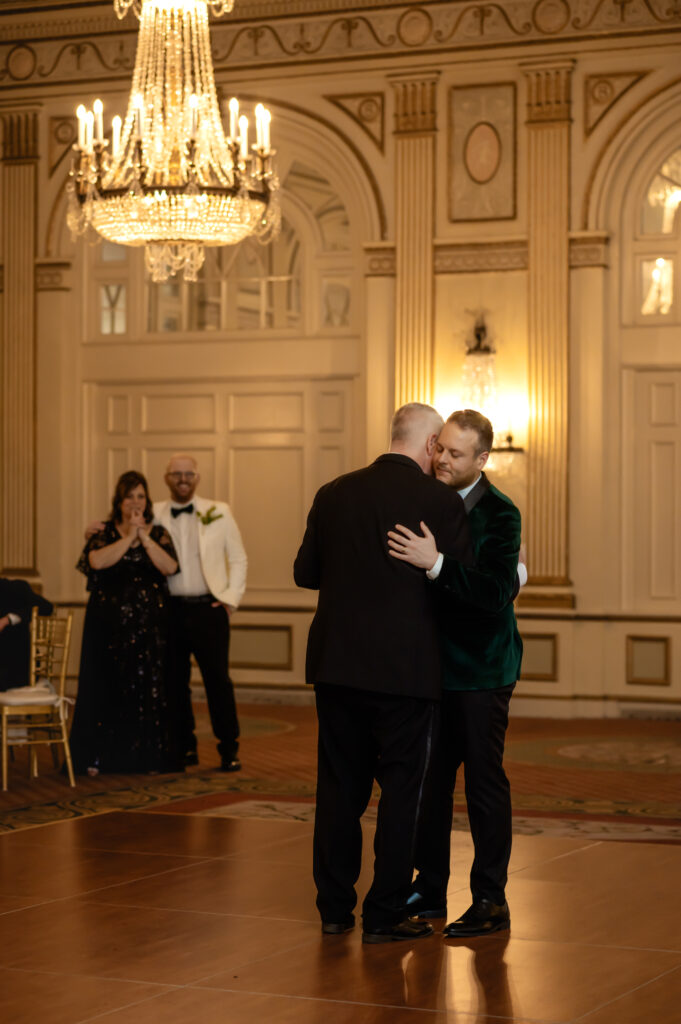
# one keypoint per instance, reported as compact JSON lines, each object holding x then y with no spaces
{"x":473,"y":727}
{"x":362,"y":736}
{"x":201,"y":630}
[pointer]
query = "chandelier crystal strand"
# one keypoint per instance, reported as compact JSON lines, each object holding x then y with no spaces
{"x":173,"y":183}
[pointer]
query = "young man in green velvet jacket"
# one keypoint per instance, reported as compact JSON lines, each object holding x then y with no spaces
{"x":482,"y":652}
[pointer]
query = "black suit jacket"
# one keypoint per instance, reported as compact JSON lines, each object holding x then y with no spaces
{"x":374,"y":628}
{"x":16,"y":596}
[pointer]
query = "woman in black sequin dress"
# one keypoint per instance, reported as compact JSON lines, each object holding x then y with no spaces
{"x":121,"y":721}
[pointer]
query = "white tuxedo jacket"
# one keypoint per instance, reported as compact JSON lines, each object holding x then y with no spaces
{"x":222,"y":553}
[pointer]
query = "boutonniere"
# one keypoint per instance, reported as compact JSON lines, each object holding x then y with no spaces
{"x":209,"y":517}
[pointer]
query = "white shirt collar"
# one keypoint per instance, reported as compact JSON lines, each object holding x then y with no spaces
{"x":467,"y":490}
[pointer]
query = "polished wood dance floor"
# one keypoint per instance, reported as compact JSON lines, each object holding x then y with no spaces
{"x":148,"y":918}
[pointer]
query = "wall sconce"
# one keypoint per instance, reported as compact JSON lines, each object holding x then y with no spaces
{"x":479,"y":391}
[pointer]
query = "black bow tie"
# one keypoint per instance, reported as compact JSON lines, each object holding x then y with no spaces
{"x":175,"y":512}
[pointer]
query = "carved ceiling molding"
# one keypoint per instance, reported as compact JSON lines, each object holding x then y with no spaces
{"x":477,"y":257}
{"x":548,"y":90}
{"x":366,"y":109}
{"x":19,"y":135}
{"x":63,"y":49}
{"x":601,"y":93}
{"x":415,"y":102}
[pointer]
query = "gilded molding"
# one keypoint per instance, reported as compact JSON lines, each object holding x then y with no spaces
{"x":548,"y":90}
{"x":2,"y":278}
{"x":64,"y":48}
{"x":52,"y":276}
{"x":415,"y":102}
{"x":20,"y":136}
{"x":379,"y":261}
{"x":478,"y":257}
{"x":589,"y":249}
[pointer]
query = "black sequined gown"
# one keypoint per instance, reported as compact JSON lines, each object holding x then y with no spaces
{"x":121,"y":722}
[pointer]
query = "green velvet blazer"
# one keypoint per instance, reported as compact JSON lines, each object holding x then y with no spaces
{"x":481,"y":645}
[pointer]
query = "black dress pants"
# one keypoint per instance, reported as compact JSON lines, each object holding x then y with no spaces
{"x":199,"y":629}
{"x":365,"y":736}
{"x":472,"y":731}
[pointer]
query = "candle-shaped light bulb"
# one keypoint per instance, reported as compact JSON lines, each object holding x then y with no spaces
{"x":98,"y":108}
{"x":259,"y":125}
{"x":233,"y":118}
{"x":266,"y":129}
{"x":139,"y":110}
{"x":80,"y":114}
{"x":194,"y":108}
{"x":243,"y":136}
{"x":89,"y":129}
{"x":115,"y":134}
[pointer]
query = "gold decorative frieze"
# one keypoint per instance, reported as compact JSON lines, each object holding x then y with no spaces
{"x":61,"y":48}
{"x":415,"y":102}
{"x":548,"y":90}
{"x":20,"y":136}
{"x":589,"y":249}
{"x":379,"y":261}
{"x":601,"y":93}
{"x":478,"y":257}
{"x":51,"y":276}
{"x":367,"y":109}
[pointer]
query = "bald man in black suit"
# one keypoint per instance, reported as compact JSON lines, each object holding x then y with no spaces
{"x":373,"y":658}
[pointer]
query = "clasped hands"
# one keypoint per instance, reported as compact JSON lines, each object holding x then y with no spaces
{"x":408,"y":546}
{"x":137,"y":527}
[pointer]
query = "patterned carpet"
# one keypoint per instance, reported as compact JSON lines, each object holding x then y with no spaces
{"x":603,"y":779}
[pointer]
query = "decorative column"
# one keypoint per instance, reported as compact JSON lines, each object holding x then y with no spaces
{"x":415,"y":104}
{"x":548,"y":149}
{"x":18,"y":201}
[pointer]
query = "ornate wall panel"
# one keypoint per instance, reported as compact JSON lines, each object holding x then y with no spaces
{"x":482,"y":152}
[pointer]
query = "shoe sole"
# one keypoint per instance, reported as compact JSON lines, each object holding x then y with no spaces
{"x":504,"y":926}
{"x":375,"y":939}
{"x":336,"y":929}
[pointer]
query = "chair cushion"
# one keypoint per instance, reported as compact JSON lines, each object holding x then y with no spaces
{"x":41,"y":693}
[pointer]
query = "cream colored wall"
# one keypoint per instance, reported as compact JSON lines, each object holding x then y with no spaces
{"x":574,"y":390}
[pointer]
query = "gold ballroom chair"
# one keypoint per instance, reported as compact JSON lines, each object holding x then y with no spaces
{"x":39,"y":710}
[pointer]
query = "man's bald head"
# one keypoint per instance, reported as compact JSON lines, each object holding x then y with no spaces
{"x":182,"y":477}
{"x":413,"y":431}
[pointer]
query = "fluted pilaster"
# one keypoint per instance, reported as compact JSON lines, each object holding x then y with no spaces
{"x":548,"y":137}
{"x":17,"y":386}
{"x":415,"y":112}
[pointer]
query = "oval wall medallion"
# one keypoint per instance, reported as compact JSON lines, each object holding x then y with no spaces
{"x":414,"y":27}
{"x":21,"y":61}
{"x":551,"y":16}
{"x":482,"y":152}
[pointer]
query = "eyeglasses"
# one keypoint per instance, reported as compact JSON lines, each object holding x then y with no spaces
{"x":182,"y":476}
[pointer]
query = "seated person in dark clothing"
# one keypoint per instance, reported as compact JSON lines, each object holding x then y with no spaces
{"x":16,"y":601}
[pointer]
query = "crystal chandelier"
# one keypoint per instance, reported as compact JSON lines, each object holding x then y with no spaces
{"x":169,"y":179}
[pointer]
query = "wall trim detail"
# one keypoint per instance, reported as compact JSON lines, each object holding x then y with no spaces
{"x":52,"y":276}
{"x":589,"y":249}
{"x":379,"y":261}
{"x":477,"y":257}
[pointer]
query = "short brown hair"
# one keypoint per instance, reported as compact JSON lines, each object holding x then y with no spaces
{"x":126,"y":483}
{"x":471,"y":419}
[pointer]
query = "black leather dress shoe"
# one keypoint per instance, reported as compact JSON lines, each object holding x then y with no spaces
{"x":422,"y":905}
{"x":482,"y":918}
{"x":230,"y":765}
{"x":405,"y":931}
{"x":338,"y":927}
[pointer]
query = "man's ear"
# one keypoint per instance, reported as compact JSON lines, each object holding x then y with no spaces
{"x":430,"y":443}
{"x":482,"y":459}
